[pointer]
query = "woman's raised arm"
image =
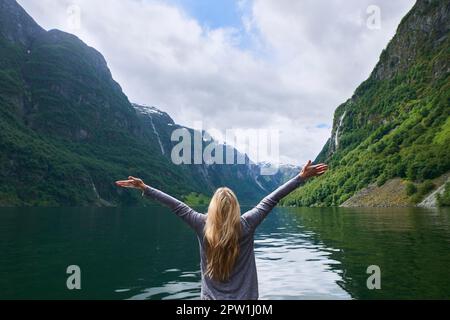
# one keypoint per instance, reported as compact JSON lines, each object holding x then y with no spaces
{"x":194,"y":219}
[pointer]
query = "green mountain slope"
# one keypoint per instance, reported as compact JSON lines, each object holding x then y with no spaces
{"x":397,"y":123}
{"x":67,"y":131}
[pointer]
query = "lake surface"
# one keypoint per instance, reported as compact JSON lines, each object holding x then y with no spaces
{"x":148,"y":253}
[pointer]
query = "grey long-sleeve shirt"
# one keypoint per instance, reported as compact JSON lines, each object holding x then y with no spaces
{"x":243,"y":282}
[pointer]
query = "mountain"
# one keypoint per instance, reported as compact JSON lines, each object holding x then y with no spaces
{"x":245,"y":178}
{"x":390,"y":141}
{"x":67,"y":130}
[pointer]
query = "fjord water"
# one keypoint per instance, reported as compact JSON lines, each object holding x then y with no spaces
{"x":148,"y":253}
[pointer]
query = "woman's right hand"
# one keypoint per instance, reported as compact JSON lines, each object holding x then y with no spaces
{"x":132,"y":182}
{"x":310,"y":171}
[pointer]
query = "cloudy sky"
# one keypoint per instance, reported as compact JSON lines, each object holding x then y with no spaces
{"x":259,"y":64}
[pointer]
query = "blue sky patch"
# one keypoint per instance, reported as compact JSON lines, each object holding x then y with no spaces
{"x":323,"y":126}
{"x":212,"y":13}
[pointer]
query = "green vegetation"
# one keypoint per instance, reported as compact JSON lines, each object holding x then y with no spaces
{"x":196,"y":199}
{"x":421,"y":191}
{"x":411,"y":188}
{"x":426,"y":187}
{"x":444,"y":198}
{"x":397,"y":124}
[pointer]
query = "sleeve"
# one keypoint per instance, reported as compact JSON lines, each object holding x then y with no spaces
{"x":256,"y":215}
{"x":194,"y":219}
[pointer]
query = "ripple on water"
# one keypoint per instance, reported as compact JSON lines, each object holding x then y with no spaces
{"x":171,"y":290}
{"x":301,"y":269}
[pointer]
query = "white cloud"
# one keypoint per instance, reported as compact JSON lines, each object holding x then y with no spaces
{"x":301,"y":60}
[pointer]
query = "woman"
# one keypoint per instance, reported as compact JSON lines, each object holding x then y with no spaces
{"x":225,"y":237}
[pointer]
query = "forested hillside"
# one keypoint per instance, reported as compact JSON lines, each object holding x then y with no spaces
{"x":397,"y":124}
{"x":67,"y":131}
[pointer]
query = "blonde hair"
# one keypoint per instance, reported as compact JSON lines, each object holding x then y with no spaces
{"x":222,"y":233}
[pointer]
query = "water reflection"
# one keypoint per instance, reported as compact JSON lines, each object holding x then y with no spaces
{"x":179,"y":288}
{"x":148,"y":253}
{"x":290,"y":266}
{"x":410,"y":245}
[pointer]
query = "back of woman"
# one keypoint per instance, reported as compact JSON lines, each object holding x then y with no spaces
{"x":243,"y":280}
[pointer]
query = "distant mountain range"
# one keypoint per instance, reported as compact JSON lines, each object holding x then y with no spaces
{"x":67,"y":130}
{"x":390,"y":143}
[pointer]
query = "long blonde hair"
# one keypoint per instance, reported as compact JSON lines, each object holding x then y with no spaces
{"x":222,"y":233}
